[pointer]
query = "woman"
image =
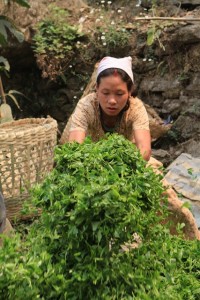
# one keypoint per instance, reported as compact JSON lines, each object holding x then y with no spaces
{"x":111,"y":108}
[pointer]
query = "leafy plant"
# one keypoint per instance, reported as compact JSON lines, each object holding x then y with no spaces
{"x":95,"y":200}
{"x":183,"y":77}
{"x":114,"y":38}
{"x":55,"y":43}
{"x":24,"y":3}
{"x":156,"y":28}
{"x":7,"y":25}
{"x":155,"y":32}
{"x":5,"y":109}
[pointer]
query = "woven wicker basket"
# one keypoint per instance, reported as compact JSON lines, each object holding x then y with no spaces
{"x":26,"y":156}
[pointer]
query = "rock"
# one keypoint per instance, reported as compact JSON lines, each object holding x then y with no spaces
{"x":178,"y":106}
{"x":171,"y":106}
{"x":193,"y":58}
{"x":172,"y":93}
{"x":189,"y":2}
{"x":194,"y":87}
{"x":187,"y":127}
{"x":191,"y":147}
{"x":160,"y":84}
{"x":186,"y":35}
{"x":149,"y":3}
{"x":162,"y":155}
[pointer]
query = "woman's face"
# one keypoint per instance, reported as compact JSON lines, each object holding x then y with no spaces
{"x":112,"y":94}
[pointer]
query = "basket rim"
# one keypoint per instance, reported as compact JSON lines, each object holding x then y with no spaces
{"x":39,"y":121}
{"x":26,"y":126}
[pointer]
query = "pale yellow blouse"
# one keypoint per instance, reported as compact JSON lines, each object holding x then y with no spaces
{"x":86,"y":117}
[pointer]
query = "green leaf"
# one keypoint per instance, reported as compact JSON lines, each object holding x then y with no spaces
{"x":8,"y":24}
{"x":24,"y":3}
{"x":16,"y":92}
{"x":3,"y":33}
{"x":95,"y":226}
{"x":2,"y":39}
{"x":190,"y":171}
{"x":9,"y":94}
{"x":5,"y":62}
{"x":150,"y":36}
{"x":187,"y":205}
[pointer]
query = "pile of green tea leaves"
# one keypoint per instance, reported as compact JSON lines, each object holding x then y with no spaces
{"x":96,"y":199}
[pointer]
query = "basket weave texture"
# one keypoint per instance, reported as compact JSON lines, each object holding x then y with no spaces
{"x":26,"y":156}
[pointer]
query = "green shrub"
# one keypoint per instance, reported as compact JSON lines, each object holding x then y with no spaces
{"x":111,"y":38}
{"x":54,"y":42}
{"x":96,"y":198}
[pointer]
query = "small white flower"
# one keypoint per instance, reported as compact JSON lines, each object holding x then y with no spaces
{"x":149,"y":59}
{"x":104,"y":44}
{"x":97,"y":20}
{"x":70,"y":66}
{"x":75,"y":97}
{"x":119,"y":11}
{"x":103,"y":37}
{"x":101,"y":17}
{"x":144,"y":59}
{"x":102,"y":1}
{"x":78,"y":42}
{"x":112,"y":23}
{"x":109,"y":2}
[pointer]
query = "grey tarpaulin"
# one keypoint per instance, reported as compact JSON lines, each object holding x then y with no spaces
{"x":184,"y":176}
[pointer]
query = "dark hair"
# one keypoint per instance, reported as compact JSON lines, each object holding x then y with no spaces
{"x":124,"y":76}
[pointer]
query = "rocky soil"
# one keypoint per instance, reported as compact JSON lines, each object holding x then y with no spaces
{"x":167,"y":72}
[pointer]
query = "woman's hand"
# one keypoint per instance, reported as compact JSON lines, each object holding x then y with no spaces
{"x":77,"y":136}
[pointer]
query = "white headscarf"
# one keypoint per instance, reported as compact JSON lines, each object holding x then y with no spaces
{"x":124,"y":64}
